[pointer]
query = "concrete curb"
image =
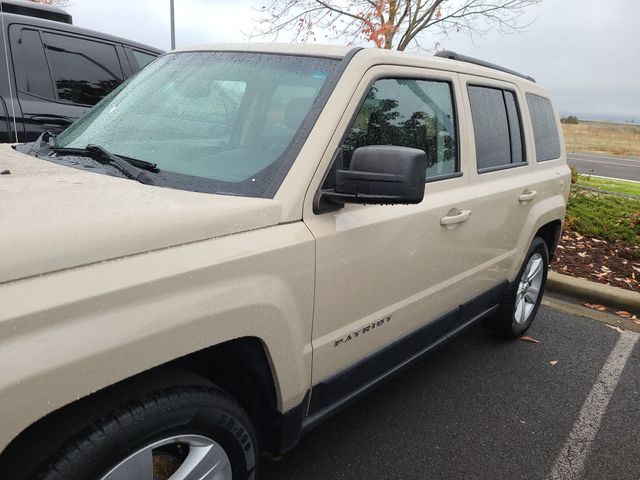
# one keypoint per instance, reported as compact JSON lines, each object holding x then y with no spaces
{"x":594,"y":292}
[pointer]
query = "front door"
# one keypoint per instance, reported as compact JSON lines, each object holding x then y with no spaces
{"x":390,"y":279}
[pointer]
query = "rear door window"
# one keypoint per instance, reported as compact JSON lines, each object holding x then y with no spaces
{"x":497,"y":128}
{"x":84,"y":71}
{"x":545,"y":130}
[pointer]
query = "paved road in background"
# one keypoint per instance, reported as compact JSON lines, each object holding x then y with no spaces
{"x":482,"y":408}
{"x":625,"y":168}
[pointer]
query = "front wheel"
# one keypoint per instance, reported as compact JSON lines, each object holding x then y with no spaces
{"x":520,"y":304}
{"x":180,"y":433}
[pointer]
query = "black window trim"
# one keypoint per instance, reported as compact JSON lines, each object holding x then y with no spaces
{"x":387,"y":76}
{"x":497,"y":168}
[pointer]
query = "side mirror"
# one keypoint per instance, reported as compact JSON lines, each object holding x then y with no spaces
{"x":380,"y":175}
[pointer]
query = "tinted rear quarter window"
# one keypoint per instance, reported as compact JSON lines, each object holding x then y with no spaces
{"x":84,"y":71}
{"x":545,"y":130}
{"x":497,"y":128}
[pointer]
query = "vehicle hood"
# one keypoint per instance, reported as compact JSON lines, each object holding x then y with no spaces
{"x":54,"y":217}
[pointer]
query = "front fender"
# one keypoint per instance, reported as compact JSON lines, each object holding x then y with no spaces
{"x":68,"y":334}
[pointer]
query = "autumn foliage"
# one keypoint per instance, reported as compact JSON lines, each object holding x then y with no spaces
{"x":388,"y":23}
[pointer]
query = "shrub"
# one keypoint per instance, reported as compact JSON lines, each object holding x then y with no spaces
{"x":572,"y":119}
{"x":575,"y":174}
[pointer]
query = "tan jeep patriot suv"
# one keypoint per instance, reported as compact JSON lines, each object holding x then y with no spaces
{"x":241,"y":240}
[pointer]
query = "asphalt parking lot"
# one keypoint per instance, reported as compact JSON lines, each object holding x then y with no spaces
{"x":481,"y":408}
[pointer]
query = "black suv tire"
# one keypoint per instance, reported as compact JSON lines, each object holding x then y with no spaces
{"x":504,"y":322}
{"x":177,"y":411}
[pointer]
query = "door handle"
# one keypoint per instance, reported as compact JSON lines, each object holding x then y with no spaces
{"x":455,"y":216}
{"x":527,"y":195}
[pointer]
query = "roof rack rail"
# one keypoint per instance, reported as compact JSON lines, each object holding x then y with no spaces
{"x":463,"y":58}
{"x":35,"y":9}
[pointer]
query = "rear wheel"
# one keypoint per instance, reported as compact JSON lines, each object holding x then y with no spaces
{"x":520,"y":304}
{"x":181,"y":433}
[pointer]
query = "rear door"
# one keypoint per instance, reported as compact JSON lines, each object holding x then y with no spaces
{"x":60,"y":76}
{"x":390,"y":279}
{"x":501,"y":187}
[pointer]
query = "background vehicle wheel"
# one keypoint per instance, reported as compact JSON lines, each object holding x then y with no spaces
{"x":520,"y":304}
{"x":173,"y":434}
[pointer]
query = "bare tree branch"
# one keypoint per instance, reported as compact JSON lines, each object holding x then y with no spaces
{"x":57,"y":3}
{"x":388,"y":23}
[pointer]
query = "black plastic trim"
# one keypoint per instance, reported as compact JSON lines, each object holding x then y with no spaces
{"x":445,"y":176}
{"x":476,"y":61}
{"x":288,"y":428}
{"x":333,"y":394}
{"x":497,"y":168}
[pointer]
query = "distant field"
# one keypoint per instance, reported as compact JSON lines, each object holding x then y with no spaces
{"x":601,"y":137}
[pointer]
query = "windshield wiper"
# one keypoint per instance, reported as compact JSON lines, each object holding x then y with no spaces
{"x":130,"y":167}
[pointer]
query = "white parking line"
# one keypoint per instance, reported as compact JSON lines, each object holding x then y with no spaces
{"x":571,"y":460}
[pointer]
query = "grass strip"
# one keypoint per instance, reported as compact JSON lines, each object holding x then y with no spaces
{"x":610,"y":185}
{"x":609,"y":217}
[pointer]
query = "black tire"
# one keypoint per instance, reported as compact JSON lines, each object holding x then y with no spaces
{"x":110,"y":438}
{"x":503,"y":322}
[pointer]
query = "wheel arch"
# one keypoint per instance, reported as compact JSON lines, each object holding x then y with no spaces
{"x":550,"y":232}
{"x":241,"y":367}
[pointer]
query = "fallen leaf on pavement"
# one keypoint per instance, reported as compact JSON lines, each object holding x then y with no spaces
{"x":617,"y":329}
{"x":623,"y":314}
{"x":529,"y":339}
{"x":553,"y":362}
{"x":596,"y":306}
{"x":637,"y":322}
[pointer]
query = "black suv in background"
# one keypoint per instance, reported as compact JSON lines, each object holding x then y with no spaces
{"x":52,"y":73}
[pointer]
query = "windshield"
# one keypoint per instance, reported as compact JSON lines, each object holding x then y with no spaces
{"x":212,"y":121}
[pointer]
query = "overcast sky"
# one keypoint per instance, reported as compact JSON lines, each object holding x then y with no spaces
{"x":586,"y":51}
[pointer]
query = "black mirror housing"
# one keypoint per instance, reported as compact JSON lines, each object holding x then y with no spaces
{"x":381,"y":175}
